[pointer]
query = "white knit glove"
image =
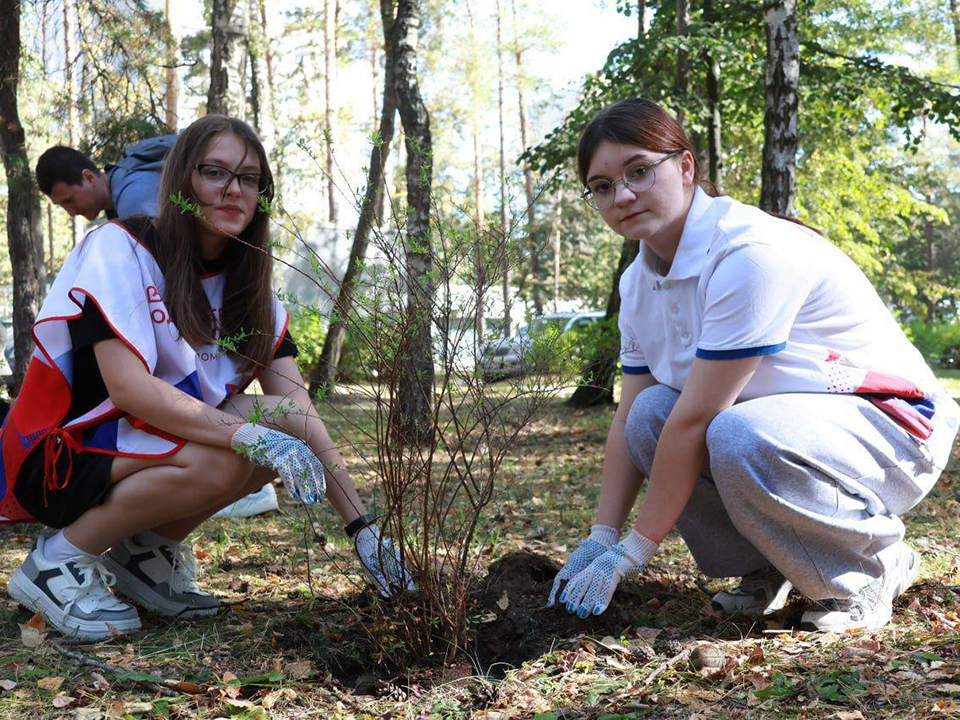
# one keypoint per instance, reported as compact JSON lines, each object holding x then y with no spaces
{"x":590,"y":591}
{"x":380,"y":561}
{"x":292,"y":459}
{"x":601,"y":539}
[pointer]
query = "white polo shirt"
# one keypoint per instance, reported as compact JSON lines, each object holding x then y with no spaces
{"x":744,"y":283}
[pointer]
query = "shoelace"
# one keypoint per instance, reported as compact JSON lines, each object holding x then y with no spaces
{"x":183,"y":574}
{"x":96,"y":581}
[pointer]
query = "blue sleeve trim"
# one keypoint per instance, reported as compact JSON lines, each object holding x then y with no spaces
{"x":635,"y":370}
{"x":741,"y":353}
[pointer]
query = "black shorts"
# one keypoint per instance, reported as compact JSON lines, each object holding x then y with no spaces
{"x":88,"y":486}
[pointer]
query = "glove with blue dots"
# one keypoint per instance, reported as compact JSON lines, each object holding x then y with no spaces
{"x":591,"y":589}
{"x":601,"y":539}
{"x":292,"y":459}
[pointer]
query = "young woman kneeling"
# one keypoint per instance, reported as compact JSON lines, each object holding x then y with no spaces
{"x":782,"y":417}
{"x":130,"y":431}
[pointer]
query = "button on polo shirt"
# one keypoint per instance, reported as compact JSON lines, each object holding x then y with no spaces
{"x":746,"y":284}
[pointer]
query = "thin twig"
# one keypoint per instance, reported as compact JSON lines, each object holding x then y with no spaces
{"x":672,"y":662}
{"x":163,"y":687}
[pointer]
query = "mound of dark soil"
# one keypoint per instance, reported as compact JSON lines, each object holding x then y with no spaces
{"x":516,"y":591}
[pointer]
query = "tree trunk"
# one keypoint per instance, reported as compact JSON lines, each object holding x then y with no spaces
{"x":375,"y":71}
{"x":416,"y":383}
{"x":555,"y":236}
{"x":255,"y":43}
{"x":330,"y":69}
{"x":223,"y":51}
{"x":69,"y":12}
{"x":955,"y":14}
{"x":596,"y":384}
{"x":641,"y":19}
{"x":536,"y":273}
{"x":172,"y":72}
{"x":23,"y":198}
{"x":504,"y":207}
{"x":682,"y":78}
{"x":714,"y":142}
{"x":50,"y":267}
{"x":931,"y":268}
{"x":780,"y":121}
{"x":333,"y":343}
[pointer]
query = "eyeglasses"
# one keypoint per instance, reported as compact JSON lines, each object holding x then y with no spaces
{"x":638,"y":177}
{"x":220,"y":177}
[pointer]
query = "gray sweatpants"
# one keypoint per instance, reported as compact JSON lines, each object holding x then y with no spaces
{"x":811,"y":483}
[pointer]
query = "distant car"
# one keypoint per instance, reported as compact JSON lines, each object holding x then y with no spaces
{"x":505,"y":357}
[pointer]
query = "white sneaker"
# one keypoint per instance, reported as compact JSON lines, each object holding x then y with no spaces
{"x":256,"y":503}
{"x":162,"y":579}
{"x":872,"y":607}
{"x":759,"y":593}
{"x":72,"y":595}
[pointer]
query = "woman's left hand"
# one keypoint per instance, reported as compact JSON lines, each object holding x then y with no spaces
{"x":381,"y":562}
{"x":591,"y":589}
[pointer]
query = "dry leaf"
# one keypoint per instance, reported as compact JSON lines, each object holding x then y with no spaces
{"x":611,"y":643}
{"x":238,"y":703}
{"x":62,"y":700}
{"x":848,"y":715}
{"x":50,"y":683}
{"x":137,"y":707}
{"x":299,"y":670}
{"x":32,"y":633}
{"x":7,"y":684}
{"x":949,"y":688}
{"x":187,"y":687}
{"x":504,"y":602}
{"x":272,"y":698}
{"x":758,"y":681}
{"x":99,"y":681}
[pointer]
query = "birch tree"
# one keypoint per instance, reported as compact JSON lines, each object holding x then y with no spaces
{"x":536,"y":284}
{"x":416,"y":385}
{"x":23,"y":197}
{"x":329,"y":112}
{"x":223,"y":54}
{"x":504,"y":199}
{"x":333,"y":342}
{"x":782,"y":104}
{"x":172,"y":93}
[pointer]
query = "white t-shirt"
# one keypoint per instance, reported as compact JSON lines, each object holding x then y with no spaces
{"x":744,"y":283}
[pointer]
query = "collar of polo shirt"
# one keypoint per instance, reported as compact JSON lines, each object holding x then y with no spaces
{"x":698,"y":231}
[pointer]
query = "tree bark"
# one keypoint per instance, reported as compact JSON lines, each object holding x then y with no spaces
{"x":555,"y":236}
{"x":714,"y":141}
{"x":682,"y":76}
{"x":536,"y":274}
{"x":641,"y":19}
{"x":255,"y":44}
{"x":931,"y":268}
{"x":375,"y":71}
{"x":955,"y":14}
{"x":596,"y":384}
{"x":172,"y":83}
{"x":782,"y":105}
{"x":23,"y":198}
{"x":330,"y":69}
{"x":504,"y":207}
{"x":222,"y":54}
{"x":416,"y":383}
{"x":336,"y":334}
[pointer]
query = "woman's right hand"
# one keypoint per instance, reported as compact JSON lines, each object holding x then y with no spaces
{"x":292,"y":459}
{"x":601,"y":539}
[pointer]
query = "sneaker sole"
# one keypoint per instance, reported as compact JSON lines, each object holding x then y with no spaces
{"x":21,"y":589}
{"x":139,"y":593}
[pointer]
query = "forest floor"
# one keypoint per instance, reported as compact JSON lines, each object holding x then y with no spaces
{"x":291,"y":642}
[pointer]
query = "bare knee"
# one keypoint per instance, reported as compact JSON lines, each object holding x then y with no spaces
{"x":214,"y":473}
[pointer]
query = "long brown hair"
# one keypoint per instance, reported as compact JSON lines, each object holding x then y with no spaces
{"x":635,"y":121}
{"x":247,"y":311}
